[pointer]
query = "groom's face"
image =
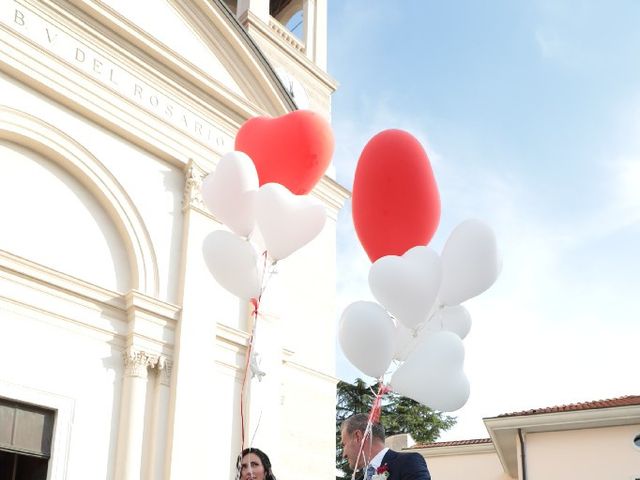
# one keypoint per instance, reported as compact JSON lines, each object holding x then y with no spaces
{"x":351,"y":446}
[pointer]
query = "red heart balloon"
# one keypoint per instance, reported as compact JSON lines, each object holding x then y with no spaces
{"x":293,"y":150}
{"x":395,"y":203}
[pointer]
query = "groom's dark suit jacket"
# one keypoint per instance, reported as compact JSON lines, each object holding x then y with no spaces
{"x":406,"y":466}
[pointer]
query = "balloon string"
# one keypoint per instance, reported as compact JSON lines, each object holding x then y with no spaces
{"x":374,"y":417}
{"x":255,"y":313}
{"x":246,"y":369}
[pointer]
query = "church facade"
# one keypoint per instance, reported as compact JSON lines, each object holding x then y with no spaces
{"x":120,"y":356}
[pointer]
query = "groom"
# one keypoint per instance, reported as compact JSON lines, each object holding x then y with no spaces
{"x":375,"y":458}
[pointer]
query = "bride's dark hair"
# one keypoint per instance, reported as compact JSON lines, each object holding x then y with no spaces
{"x":266,"y":463}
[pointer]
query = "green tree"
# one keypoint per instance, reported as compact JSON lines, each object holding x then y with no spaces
{"x":398,"y":415}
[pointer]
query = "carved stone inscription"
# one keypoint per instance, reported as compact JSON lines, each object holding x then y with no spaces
{"x":111,"y":75}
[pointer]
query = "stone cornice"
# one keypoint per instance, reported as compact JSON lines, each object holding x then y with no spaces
{"x":44,"y":278}
{"x":259,"y":67}
{"x":255,"y":24}
{"x":131,"y":89}
{"x":452,"y":450}
{"x":166,"y":58}
{"x":41,"y":292}
{"x":151,"y":324}
{"x":59,"y":80}
{"x":232,"y":336}
{"x":311,"y":372}
{"x":332,"y":194}
{"x":162,"y":312}
{"x":135,"y":319}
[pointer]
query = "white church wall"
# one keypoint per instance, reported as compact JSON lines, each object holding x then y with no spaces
{"x":83,"y":369}
{"x":154,"y":187}
{"x":83,"y":327}
{"x":53,"y":220}
{"x":163,"y":22}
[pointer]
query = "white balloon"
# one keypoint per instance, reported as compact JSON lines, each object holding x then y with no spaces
{"x":233,"y":263}
{"x":366,"y":337}
{"x":407,"y":286}
{"x":454,"y":319}
{"x":286,"y":221}
{"x":469,"y":262}
{"x":405,"y":342}
{"x":229,"y":192}
{"x":432,"y":373}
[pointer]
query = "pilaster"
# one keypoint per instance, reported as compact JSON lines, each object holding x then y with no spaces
{"x":193,"y":418}
{"x":132,"y":413}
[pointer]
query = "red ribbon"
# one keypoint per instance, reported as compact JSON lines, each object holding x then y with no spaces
{"x":376,"y":408}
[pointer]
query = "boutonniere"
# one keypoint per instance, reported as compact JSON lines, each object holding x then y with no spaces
{"x":381,"y":473}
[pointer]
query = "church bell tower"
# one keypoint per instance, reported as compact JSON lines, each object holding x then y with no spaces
{"x":292,"y":34}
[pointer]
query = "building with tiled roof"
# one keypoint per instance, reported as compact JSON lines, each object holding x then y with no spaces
{"x":596,"y":440}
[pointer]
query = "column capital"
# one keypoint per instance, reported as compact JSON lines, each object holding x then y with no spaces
{"x":136,"y":362}
{"x":164,"y":368}
{"x":194,"y":174}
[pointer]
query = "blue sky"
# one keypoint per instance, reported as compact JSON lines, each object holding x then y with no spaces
{"x":530,"y":114}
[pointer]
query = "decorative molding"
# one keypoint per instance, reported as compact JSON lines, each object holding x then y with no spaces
{"x":232,"y":336}
{"x":286,"y":35}
{"x":151,"y":324}
{"x":209,"y":22}
{"x":33,"y":133}
{"x":38,"y":276}
{"x":64,"y":408}
{"x":255,"y":76}
{"x":194,"y":175}
{"x":449,"y":450}
{"x":36,"y":291}
{"x":137,"y":362}
{"x":332,"y":194}
{"x":307,"y":370}
{"x":256,"y":26}
{"x":164,"y":367}
{"x":162,"y":311}
{"x":135,"y":87}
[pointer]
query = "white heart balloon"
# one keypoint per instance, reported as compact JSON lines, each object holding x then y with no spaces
{"x":229,"y":192}
{"x":454,"y":319}
{"x":432,"y":373}
{"x":286,"y":221}
{"x":405,"y":342}
{"x":366,"y":337}
{"x":469,"y":262}
{"x":407,"y":286}
{"x":233,"y":263}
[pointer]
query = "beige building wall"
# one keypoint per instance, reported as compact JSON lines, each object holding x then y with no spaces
{"x":589,"y":454}
{"x":591,"y":440}
{"x":479,"y":462}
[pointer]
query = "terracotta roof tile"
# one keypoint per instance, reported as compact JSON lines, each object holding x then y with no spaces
{"x":455,"y":443}
{"x":572,"y":407}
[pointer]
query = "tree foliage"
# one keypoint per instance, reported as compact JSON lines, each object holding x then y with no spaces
{"x":398,"y":415}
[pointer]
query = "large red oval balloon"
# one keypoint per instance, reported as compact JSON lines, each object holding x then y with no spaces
{"x":395,"y":203}
{"x":293,"y":150}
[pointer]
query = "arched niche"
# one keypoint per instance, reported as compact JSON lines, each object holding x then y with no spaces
{"x":100,"y":199}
